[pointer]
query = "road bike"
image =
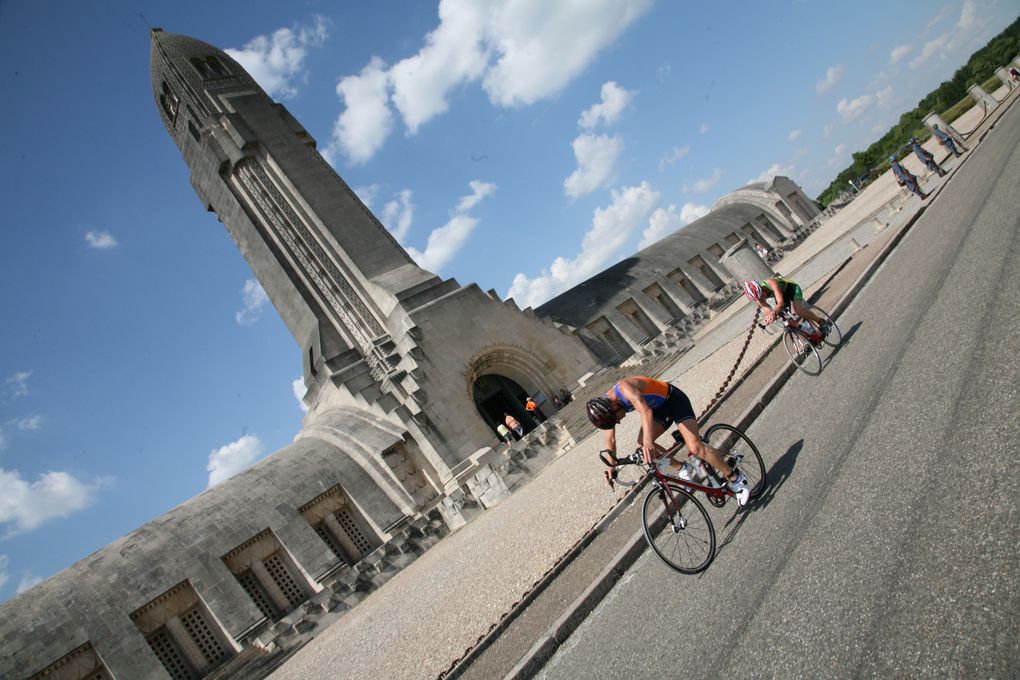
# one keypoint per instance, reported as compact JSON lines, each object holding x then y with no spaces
{"x":802,"y":338}
{"x":676,"y":525}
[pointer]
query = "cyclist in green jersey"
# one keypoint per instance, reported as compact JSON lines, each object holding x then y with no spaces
{"x":787,"y":295}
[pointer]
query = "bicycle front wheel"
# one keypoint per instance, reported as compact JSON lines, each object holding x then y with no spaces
{"x":738,"y":451}
{"x":678,"y":529}
{"x":802,"y":352}
{"x":835,"y":336}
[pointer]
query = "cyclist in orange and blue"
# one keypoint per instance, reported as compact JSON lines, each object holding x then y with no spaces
{"x":788,"y":295}
{"x":660,"y":405}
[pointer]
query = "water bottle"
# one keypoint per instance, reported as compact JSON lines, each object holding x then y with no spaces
{"x":807,"y":327}
{"x":698,"y":471}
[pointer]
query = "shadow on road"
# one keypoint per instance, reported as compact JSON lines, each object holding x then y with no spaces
{"x":777,"y":476}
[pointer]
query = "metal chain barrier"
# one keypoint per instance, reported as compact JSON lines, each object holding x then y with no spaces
{"x":627,"y":497}
{"x":733,"y":371}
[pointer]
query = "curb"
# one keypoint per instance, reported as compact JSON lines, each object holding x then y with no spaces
{"x":577,"y":611}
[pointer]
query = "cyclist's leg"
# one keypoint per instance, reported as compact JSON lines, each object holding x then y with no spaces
{"x":692,"y":437}
{"x":804,"y":312}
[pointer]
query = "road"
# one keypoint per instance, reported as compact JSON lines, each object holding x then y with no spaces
{"x":887,"y":543}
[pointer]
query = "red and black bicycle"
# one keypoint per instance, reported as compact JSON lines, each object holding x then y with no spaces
{"x":676,"y":524}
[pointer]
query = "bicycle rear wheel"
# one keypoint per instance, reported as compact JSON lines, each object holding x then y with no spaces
{"x":740,"y":452}
{"x":835,"y":336}
{"x":802,"y":352}
{"x":678,"y":529}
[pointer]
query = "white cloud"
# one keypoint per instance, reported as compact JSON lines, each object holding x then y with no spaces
{"x":534,"y":60}
{"x":884,"y":97}
{"x":665,"y":222}
{"x":366,"y":122}
{"x":946,"y":43}
{"x":367,"y":193}
{"x":29,"y":423}
{"x":795,"y":134}
{"x":833,"y":74}
{"x":453,"y":54}
{"x":610,"y":231}
{"x":24,"y":506}
{"x":772,"y":171}
{"x":596,"y":159}
{"x":898,"y":53}
{"x":26,"y":582}
{"x":298,"y":387}
{"x":614,"y":100}
{"x":254,"y":300}
{"x":16,"y":385}
{"x":227,"y":461}
{"x":514,"y":47}
{"x":704,"y":184}
{"x":704,"y":129}
{"x":276,"y":61}
{"x":397,"y":215}
{"x":852,"y":109}
{"x":840,"y":149}
{"x":100,"y":240}
{"x":443,"y":243}
{"x":673,"y":156}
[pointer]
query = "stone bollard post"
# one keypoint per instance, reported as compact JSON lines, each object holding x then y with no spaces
{"x":982,"y":97}
{"x":1004,"y":77}
{"x":744,"y":263}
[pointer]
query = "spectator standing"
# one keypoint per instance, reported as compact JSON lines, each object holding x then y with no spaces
{"x":946,"y":139}
{"x":514,"y":426}
{"x":532,"y":408}
{"x":925,"y":157}
{"x":504,"y":433}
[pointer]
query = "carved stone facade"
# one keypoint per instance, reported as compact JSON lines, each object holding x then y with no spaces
{"x":398,"y":442}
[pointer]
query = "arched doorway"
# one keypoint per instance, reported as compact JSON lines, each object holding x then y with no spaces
{"x":502,"y":377}
{"x":497,"y":395}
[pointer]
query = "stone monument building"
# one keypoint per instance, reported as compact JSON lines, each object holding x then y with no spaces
{"x":406,"y":375}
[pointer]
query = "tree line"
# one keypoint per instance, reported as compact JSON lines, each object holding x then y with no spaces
{"x":874,"y":160}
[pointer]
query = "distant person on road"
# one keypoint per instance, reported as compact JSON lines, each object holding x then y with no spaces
{"x":924,"y":156}
{"x":514,"y":426}
{"x":660,"y":405}
{"x":946,"y":140}
{"x":907,"y":179}
{"x":788,"y":295}
{"x":1014,"y":74}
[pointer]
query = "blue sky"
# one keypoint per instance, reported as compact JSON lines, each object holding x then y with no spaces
{"x":522,"y":145}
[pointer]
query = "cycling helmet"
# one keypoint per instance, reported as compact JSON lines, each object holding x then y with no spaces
{"x":752,"y":290}
{"x":892,"y":158}
{"x":601,"y":413}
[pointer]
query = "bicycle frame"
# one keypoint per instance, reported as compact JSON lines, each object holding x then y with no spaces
{"x":791,"y":322}
{"x":637,"y":458}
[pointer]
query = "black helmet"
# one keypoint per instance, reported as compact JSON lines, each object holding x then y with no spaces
{"x":601,"y":413}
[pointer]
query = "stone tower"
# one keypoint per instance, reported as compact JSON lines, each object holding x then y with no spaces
{"x":386,"y":344}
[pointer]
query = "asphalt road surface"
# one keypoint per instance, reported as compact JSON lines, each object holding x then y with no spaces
{"x":888,"y":541}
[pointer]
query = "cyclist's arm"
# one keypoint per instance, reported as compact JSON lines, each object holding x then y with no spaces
{"x":609,"y":442}
{"x":777,"y":290}
{"x":631,"y":389}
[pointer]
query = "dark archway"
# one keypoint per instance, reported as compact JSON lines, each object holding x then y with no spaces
{"x":496,"y":395}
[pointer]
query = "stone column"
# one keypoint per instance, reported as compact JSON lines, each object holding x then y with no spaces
{"x":982,"y":97}
{"x":745,"y":263}
{"x":933,"y":119}
{"x":269,"y":586}
{"x":185,"y":643}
